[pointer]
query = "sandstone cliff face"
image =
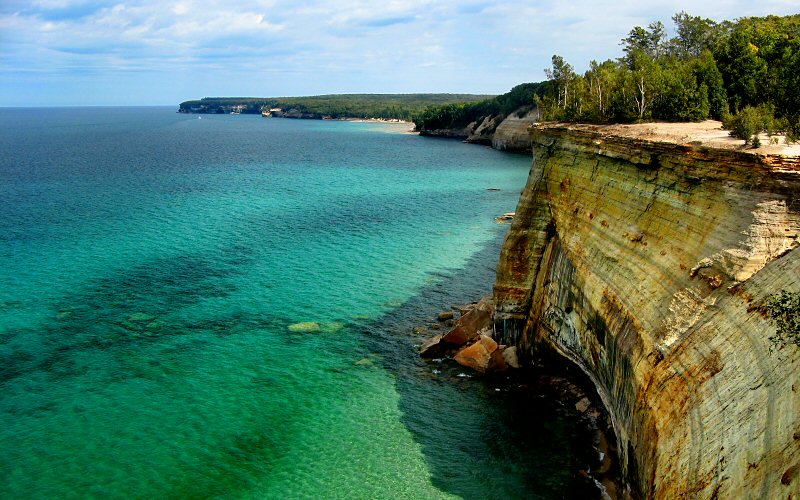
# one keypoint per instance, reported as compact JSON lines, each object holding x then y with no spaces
{"x":512,"y":133}
{"x":645,"y":264}
{"x":509,"y":134}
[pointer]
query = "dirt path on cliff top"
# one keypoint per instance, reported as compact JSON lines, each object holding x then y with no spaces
{"x":709,"y":133}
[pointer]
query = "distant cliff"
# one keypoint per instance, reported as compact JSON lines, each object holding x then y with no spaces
{"x":383,"y":106}
{"x":646,"y":263}
{"x":509,"y":133}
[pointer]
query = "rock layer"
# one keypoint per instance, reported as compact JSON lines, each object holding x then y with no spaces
{"x":645,"y":263}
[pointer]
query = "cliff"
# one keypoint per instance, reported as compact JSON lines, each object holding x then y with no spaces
{"x":644,"y":261}
{"x":509,"y":133}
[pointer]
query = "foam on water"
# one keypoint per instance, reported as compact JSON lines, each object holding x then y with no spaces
{"x":152,"y":266}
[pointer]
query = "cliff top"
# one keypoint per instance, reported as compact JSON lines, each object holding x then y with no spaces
{"x":708,"y":133}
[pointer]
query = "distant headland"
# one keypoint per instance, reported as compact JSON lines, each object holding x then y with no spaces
{"x":402,"y":107}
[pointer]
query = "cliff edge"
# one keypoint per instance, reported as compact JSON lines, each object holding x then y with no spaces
{"x":644,"y":258}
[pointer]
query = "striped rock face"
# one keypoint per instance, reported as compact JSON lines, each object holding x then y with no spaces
{"x":646,"y":263}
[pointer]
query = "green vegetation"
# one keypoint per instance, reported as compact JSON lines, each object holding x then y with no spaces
{"x":749,"y":122}
{"x":744,"y":73}
{"x":386,"y":106}
{"x":784,"y":310}
{"x":459,"y":115}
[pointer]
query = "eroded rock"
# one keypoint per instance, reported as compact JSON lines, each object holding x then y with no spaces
{"x":477,"y":356}
{"x":467,"y":328}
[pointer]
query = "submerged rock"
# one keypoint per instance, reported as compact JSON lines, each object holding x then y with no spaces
{"x":140,"y":316}
{"x":583,"y":405}
{"x":332,"y":327}
{"x":305,"y":326}
{"x":445,"y":315}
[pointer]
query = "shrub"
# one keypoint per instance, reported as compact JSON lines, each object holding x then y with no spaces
{"x":749,"y":122}
{"x":784,"y":310}
{"x":793,"y":130}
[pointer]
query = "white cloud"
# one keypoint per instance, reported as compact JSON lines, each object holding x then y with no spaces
{"x":315,"y":46}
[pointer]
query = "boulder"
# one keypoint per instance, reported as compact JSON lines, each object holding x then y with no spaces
{"x":434,"y":347}
{"x":496,"y":362}
{"x":475,"y":322}
{"x":510,"y":357}
{"x":477,"y":356}
{"x":472,"y":323}
{"x":465,"y":308}
{"x":445,"y":315}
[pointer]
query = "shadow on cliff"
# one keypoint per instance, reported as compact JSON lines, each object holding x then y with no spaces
{"x":482,"y":437}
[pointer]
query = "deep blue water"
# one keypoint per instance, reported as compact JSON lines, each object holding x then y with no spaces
{"x":222,"y":307}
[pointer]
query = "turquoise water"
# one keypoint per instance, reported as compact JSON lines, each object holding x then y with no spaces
{"x":154,"y":268}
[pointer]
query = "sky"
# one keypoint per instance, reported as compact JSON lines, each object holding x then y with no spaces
{"x":162,"y":52}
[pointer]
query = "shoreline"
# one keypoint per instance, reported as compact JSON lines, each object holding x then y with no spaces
{"x":545,"y":376}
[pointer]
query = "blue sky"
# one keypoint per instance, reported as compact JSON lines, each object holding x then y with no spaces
{"x":98,"y":52}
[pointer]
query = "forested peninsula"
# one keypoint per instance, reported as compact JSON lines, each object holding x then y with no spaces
{"x":334,"y":106}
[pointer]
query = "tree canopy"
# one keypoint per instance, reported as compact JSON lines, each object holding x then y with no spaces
{"x":707,"y":70}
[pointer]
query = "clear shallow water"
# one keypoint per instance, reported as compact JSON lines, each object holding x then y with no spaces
{"x":151,"y":267}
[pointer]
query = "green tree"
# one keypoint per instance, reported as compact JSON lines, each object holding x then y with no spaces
{"x":739,"y":61}
{"x":707,"y":73}
{"x":562,"y":75}
{"x":695,"y":35}
{"x":680,"y":96}
{"x":601,"y":78}
{"x":642,"y":81}
{"x":651,"y":41}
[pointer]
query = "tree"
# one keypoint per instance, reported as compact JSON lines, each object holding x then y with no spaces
{"x":643,"y":76}
{"x":651,"y":41}
{"x":706,"y":72}
{"x":742,"y":67}
{"x":562,"y":74}
{"x":601,"y":81}
{"x":695,"y":35}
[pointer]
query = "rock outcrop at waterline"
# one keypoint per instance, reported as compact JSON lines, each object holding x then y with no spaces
{"x":469,"y":342}
{"x":508,"y":133}
{"x":646,"y":263}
